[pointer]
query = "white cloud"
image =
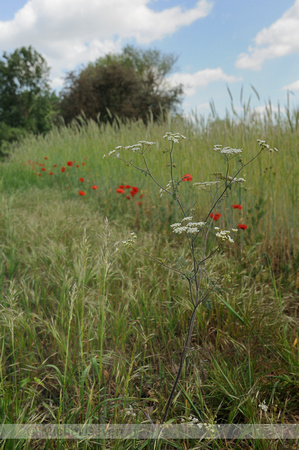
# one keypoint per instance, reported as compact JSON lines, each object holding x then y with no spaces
{"x":192,"y":81}
{"x":280,"y":39}
{"x":72,"y":32}
{"x":292,"y":87}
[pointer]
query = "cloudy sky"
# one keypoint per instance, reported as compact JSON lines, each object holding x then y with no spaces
{"x":218,"y":43}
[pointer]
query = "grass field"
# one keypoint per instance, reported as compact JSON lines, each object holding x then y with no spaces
{"x":91,"y":331}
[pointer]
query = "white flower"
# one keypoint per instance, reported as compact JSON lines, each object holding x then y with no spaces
{"x":131,"y":241}
{"x":227,"y":150}
{"x":189,"y":228}
{"x":174,"y":137}
{"x":224,"y":235}
{"x":263,"y":406}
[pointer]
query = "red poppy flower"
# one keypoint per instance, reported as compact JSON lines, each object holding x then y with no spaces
{"x":70,"y":163}
{"x":242,"y":226}
{"x":77,"y":165}
{"x":62,"y":169}
{"x":50,"y":173}
{"x":120,"y":191}
{"x":39,"y":174}
{"x":127,"y":186}
{"x":237,"y":206}
{"x":133,"y":193}
{"x":135,"y":189}
{"x":43,"y":169}
{"x":55,"y":165}
{"x":81,"y":179}
{"x":29,"y":161}
{"x":45,"y":157}
{"x":139,"y":203}
{"x":121,"y":186}
{"x":141,"y":196}
{"x":83,"y":164}
{"x":128,"y":197}
{"x":41,"y":165}
{"x":94,"y":187}
{"x":81,"y":193}
{"x":215,"y":216}
{"x":187,"y":177}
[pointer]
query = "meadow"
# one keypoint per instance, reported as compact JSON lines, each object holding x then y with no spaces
{"x":91,"y":331}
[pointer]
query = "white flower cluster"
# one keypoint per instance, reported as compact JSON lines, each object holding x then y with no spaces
{"x":206,"y":184}
{"x":227,"y":150}
{"x":140,"y":147}
{"x":224,"y":235}
{"x":130,"y":411}
{"x":263,"y":406}
{"x":265,"y":146}
{"x":189,"y":227}
{"x":174,"y":137}
{"x":131,"y":241}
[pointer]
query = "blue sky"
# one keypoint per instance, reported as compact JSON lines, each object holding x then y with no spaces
{"x":219,"y":43}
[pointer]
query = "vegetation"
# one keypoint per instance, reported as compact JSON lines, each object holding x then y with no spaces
{"x":26,"y":101}
{"x":90,"y":332}
{"x":130,"y":85}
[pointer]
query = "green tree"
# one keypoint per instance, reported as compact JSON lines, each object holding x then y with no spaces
{"x":26,"y":102}
{"x":131,"y":85}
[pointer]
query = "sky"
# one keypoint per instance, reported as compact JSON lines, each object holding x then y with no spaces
{"x":219,"y":44}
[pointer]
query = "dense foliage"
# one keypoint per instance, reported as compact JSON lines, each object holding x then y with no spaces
{"x":131,"y":85}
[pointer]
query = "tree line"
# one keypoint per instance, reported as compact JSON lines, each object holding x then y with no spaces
{"x":130,"y":85}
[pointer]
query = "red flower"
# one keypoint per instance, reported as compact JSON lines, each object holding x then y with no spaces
{"x":81,"y":193}
{"x":120,"y":191}
{"x":41,"y":165}
{"x":135,"y":189}
{"x":133,"y":193}
{"x":39,"y":174}
{"x":141,"y":196}
{"x":128,"y":197}
{"x":215,"y":216}
{"x":121,"y":186}
{"x":50,"y":173}
{"x":127,"y":186}
{"x":94,"y":187}
{"x":70,"y":163}
{"x":139,"y":203}
{"x":81,"y":179}
{"x":83,"y":164}
{"x":55,"y":165}
{"x":45,"y":157}
{"x":187,"y":177}
{"x":43,"y":169}
{"x":62,"y":169}
{"x":242,"y":226}
{"x":237,"y":206}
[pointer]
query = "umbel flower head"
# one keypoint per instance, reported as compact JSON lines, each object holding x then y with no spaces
{"x":174,"y":137}
{"x":186,"y":226}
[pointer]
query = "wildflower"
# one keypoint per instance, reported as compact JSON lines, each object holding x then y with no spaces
{"x":120,"y":191}
{"x":83,"y":164}
{"x":224,"y":235}
{"x":43,"y":169}
{"x":141,"y":196}
{"x":227,"y":150}
{"x":131,"y":241}
{"x":81,"y":179}
{"x":242,"y":226}
{"x":77,"y":165}
{"x":128,"y":197}
{"x":189,"y":228}
{"x":45,"y":157}
{"x":54,"y":165}
{"x":174,"y":137}
{"x":135,"y":189}
{"x":121,"y":186}
{"x":50,"y":173}
{"x":187,"y":177}
{"x":70,"y":163}
{"x":81,"y":193}
{"x":127,"y":186}
{"x":263,"y":406}
{"x":39,"y":174}
{"x":237,"y":206}
{"x":94,"y":187}
{"x":215,"y":216}
{"x":62,"y":169}
{"x":139,"y":203}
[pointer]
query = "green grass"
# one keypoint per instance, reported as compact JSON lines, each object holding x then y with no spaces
{"x":89,"y":327}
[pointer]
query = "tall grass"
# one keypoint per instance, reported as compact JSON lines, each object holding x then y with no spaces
{"x":90,"y":332}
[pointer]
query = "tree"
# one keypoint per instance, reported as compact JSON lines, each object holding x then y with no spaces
{"x":131,"y":85}
{"x":26,"y":101}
